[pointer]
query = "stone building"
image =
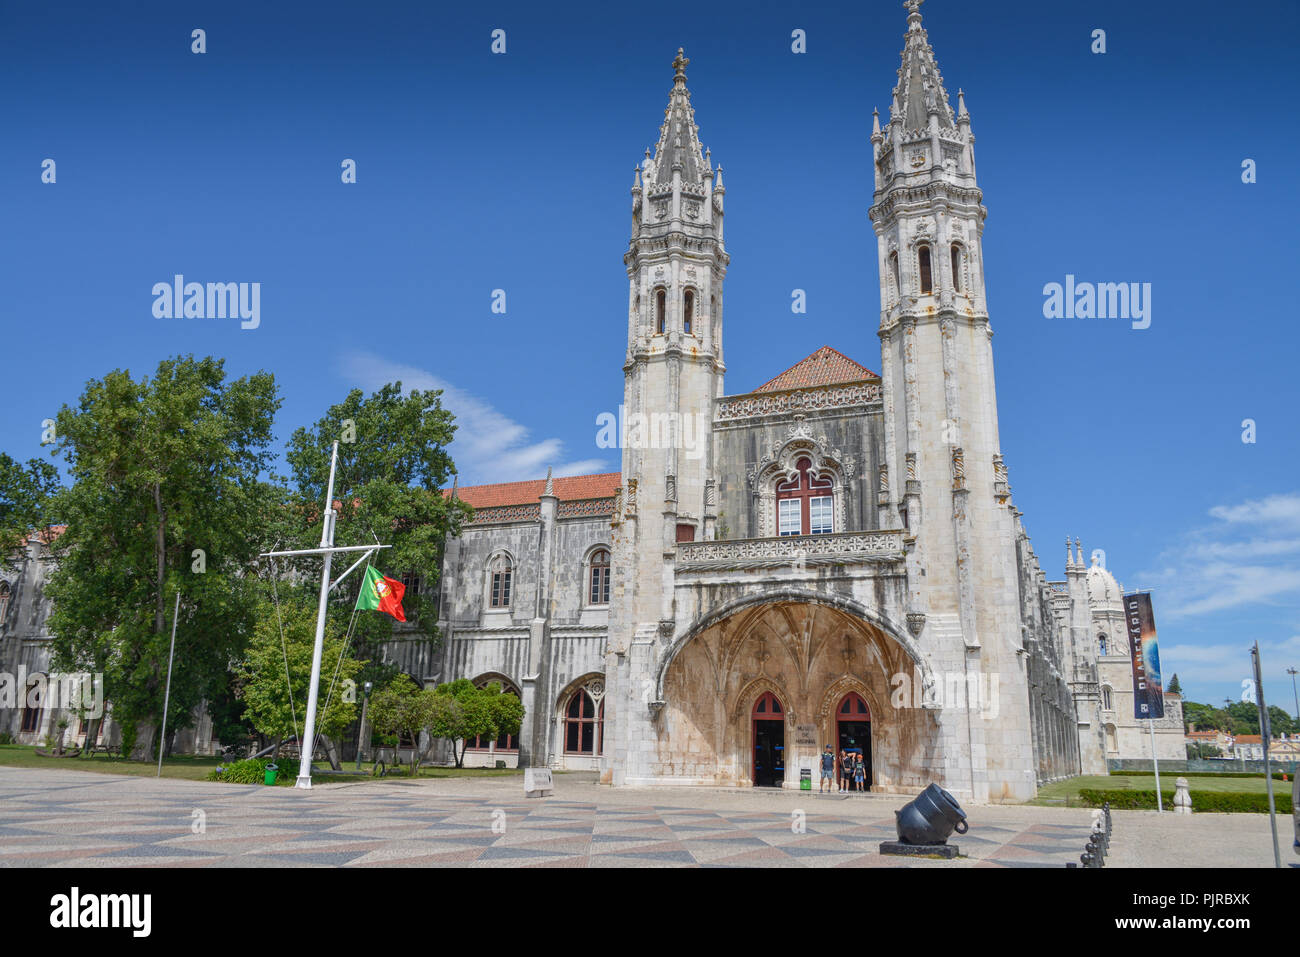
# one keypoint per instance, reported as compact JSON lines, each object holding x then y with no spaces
{"x":831,"y":557}
{"x":35,"y":699}
{"x":1126,"y":738}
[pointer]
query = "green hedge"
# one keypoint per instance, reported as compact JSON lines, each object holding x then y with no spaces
{"x":1204,"y":801}
{"x":1277,"y":775}
{"x":253,"y":771}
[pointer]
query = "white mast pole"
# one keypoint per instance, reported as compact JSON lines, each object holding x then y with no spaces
{"x":308,"y":741}
{"x":162,"y":737}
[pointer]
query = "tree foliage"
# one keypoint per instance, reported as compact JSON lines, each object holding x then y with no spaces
{"x":393,"y":465}
{"x":26,"y":493}
{"x":402,"y":708}
{"x":167,"y":495}
{"x":467,"y":712}
{"x":276,"y":705}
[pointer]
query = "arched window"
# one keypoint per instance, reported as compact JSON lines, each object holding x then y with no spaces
{"x":584,"y":724}
{"x":805,"y":505}
{"x":661,"y":301}
{"x":598,"y":578}
{"x":767,"y":706}
{"x":1101,"y":646}
{"x":500,"y":571}
{"x":1107,"y":702}
{"x":893,"y":268}
{"x":33,"y":699}
{"x":505,"y":742}
{"x":688,"y":310}
{"x":853,"y":708}
{"x":956,"y":267}
{"x":923,"y":262}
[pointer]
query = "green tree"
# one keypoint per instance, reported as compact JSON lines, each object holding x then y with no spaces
{"x":276,"y":704}
{"x":26,"y":493}
{"x":1174,"y":686}
{"x":466,"y":712}
{"x":401,"y":707}
{"x":167,"y":495}
{"x":393,"y":465}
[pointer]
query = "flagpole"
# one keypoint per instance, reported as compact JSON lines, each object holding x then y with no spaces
{"x":162,"y":738}
{"x":1265,"y":735}
{"x":308,"y":740}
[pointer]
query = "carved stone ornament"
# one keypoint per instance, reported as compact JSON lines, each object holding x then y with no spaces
{"x":911,"y":466}
{"x":666,"y":627}
{"x":958,"y":468}
{"x":915,"y":623}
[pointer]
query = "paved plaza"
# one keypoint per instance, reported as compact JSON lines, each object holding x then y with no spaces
{"x":56,"y":817}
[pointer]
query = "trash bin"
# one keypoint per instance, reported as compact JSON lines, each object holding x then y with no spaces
{"x":271,"y":770}
{"x":805,"y":779}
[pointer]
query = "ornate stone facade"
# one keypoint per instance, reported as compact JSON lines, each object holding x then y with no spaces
{"x":840,"y":543}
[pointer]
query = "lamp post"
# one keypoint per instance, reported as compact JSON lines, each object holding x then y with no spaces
{"x":361,"y":732}
{"x":1292,"y":672}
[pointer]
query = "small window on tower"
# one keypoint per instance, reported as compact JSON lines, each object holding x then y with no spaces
{"x":893,"y":267}
{"x":923,"y":261}
{"x":956,"y":267}
{"x":660,"y":302}
{"x":688,"y":310}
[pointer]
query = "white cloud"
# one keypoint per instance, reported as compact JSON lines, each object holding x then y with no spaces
{"x":1225,"y":665}
{"x":1248,"y":554}
{"x":1277,"y":510}
{"x":489,"y":445}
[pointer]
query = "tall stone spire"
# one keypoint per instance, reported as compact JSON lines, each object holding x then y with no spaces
{"x":676,"y":262}
{"x":679,"y":137}
{"x":920,"y":87}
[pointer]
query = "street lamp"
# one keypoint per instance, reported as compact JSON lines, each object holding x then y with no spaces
{"x":361,"y":731}
{"x":1292,"y":672}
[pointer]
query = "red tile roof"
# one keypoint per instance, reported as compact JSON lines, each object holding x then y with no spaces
{"x":570,"y":488}
{"x":47,"y":535}
{"x":824,"y":367}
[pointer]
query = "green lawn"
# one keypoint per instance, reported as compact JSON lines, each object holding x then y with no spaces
{"x":191,"y":768}
{"x":1066,"y":793}
{"x":182,"y":766}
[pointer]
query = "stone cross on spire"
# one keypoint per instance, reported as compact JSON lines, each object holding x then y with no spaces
{"x":681,"y":62}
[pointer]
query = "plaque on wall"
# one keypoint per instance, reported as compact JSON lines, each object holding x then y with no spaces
{"x":805,"y":735}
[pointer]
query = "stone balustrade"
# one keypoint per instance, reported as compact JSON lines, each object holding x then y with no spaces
{"x":843,"y":548}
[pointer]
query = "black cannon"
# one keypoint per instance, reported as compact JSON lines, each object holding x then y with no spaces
{"x":930,"y":818}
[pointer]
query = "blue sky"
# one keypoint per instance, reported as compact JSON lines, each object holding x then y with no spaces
{"x":479,"y":171}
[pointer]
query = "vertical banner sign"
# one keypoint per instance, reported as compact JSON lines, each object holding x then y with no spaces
{"x":1148,"y":695}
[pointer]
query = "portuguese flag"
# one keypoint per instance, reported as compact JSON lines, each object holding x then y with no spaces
{"x":383,"y":594}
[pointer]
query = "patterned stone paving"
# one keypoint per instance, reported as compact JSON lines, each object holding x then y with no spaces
{"x":53,"y":818}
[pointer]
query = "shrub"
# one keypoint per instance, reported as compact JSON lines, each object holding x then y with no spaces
{"x":252,"y":771}
{"x":6,"y":737}
{"x":1204,"y":801}
{"x":1277,"y":775}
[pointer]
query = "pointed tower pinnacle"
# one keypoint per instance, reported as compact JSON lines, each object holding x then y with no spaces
{"x":550,"y":485}
{"x":679,"y":140}
{"x":920,"y":89}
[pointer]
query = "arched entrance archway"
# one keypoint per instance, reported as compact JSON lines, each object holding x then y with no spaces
{"x":767,"y":767}
{"x":808,"y":657}
{"x":853,"y":731}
